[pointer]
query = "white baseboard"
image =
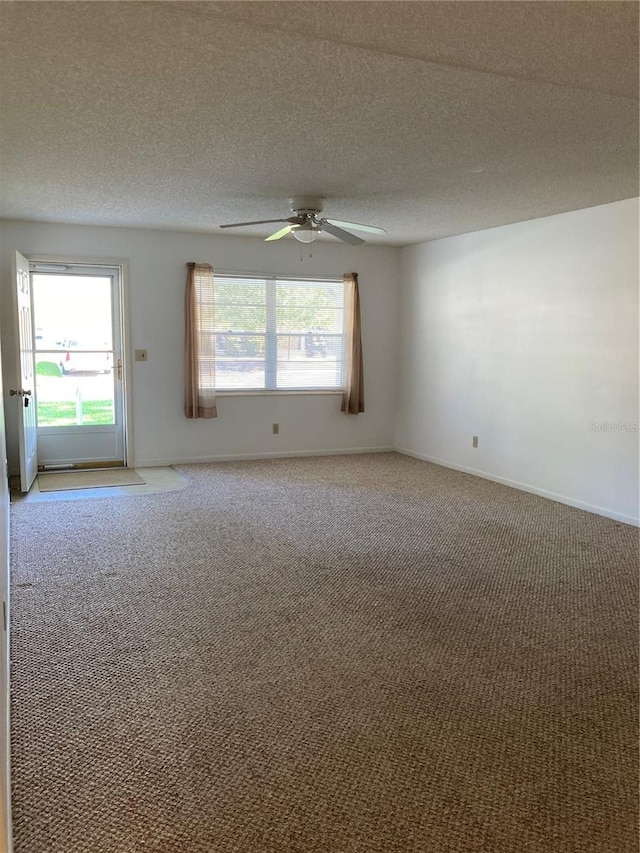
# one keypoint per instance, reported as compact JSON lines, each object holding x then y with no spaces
{"x":242,"y":457}
{"x":524,"y":487}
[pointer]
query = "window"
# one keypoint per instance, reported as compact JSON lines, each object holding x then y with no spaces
{"x":245,"y":333}
{"x":275,"y":333}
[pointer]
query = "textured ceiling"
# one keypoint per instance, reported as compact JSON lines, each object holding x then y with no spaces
{"x":425,"y":118}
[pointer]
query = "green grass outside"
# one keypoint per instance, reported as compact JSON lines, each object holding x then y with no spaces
{"x":94,"y":412}
{"x":48,"y":368}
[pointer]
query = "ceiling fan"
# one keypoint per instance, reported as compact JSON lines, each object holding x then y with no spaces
{"x":306,"y":223}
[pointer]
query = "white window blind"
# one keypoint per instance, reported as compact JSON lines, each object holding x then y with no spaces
{"x":275,"y":333}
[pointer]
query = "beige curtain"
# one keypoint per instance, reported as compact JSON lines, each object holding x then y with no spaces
{"x":353,"y":397}
{"x":200,"y":351}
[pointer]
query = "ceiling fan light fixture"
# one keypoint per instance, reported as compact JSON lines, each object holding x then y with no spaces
{"x":306,"y":233}
{"x":306,"y":223}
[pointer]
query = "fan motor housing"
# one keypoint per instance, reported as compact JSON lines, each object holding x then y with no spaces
{"x":306,"y":204}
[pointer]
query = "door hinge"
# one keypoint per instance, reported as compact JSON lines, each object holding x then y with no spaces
{"x":4,"y":614}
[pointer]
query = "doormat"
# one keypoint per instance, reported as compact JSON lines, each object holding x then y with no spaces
{"x":69,"y":480}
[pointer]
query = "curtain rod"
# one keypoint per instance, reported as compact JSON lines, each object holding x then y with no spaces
{"x":247,"y":274}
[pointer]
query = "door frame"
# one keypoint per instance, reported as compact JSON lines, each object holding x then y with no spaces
{"x":122,"y":265}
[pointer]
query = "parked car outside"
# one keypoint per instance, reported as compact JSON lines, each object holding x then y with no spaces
{"x":314,"y":344}
{"x":84,"y":357}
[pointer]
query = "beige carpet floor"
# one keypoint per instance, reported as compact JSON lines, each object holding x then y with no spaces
{"x":324,"y":655}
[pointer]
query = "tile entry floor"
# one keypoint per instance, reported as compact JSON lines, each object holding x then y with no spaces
{"x":156,"y":480}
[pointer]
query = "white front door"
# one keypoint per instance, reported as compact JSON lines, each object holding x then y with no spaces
{"x":79,"y":365}
{"x":5,"y":786}
{"x":25,"y":390}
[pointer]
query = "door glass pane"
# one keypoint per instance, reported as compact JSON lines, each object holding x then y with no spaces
{"x":74,"y":350}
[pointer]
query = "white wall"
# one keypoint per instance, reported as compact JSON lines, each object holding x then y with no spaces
{"x":156,"y":259}
{"x":525,"y":336}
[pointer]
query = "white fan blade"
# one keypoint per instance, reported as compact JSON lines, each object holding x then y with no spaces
{"x":258,"y":222}
{"x":327,"y":226}
{"x":281,"y":233}
{"x":370,"y":229}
